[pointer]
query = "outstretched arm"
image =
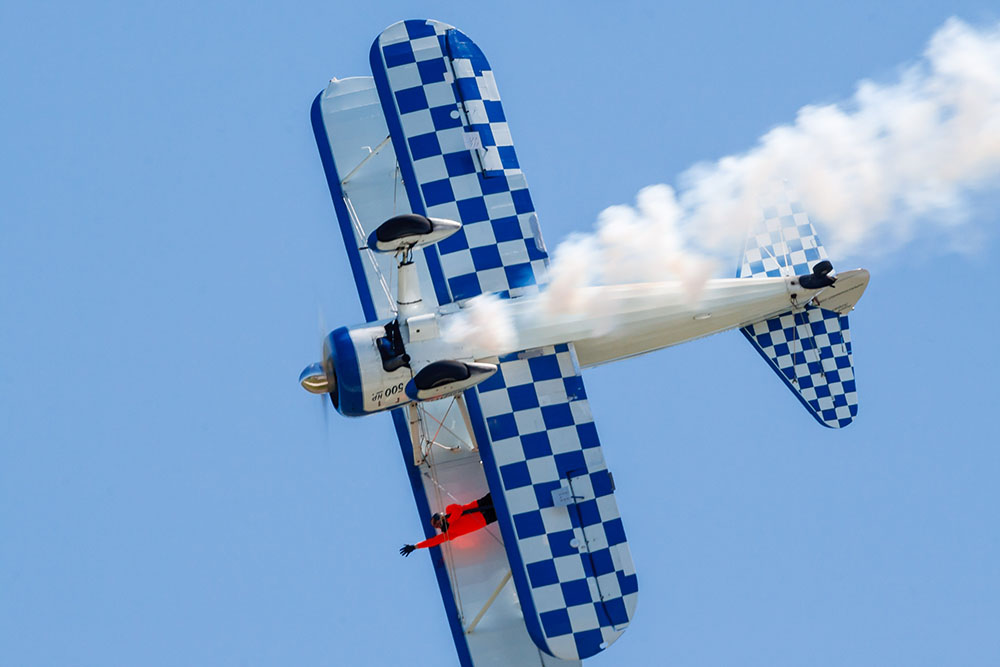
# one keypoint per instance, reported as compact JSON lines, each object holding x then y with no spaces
{"x":408,"y":549}
{"x":440,"y":538}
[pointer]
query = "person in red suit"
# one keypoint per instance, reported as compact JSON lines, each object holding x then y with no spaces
{"x":457,"y":520}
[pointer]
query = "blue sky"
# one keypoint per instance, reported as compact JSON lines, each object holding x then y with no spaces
{"x":170,"y":496}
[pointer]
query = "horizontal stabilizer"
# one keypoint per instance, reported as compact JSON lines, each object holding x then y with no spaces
{"x":810,"y":350}
{"x":809,"y":347}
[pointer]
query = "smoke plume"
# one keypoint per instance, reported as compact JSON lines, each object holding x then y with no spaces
{"x":895,"y":161}
{"x":892,"y":162}
{"x":482,"y":321}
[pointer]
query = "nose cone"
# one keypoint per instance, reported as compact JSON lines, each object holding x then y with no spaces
{"x":313,"y":379}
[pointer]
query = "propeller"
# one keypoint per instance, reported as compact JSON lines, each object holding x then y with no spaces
{"x":321,"y":377}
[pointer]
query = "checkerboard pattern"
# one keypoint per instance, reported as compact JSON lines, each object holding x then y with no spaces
{"x":571,"y":563}
{"x":783,"y":243}
{"x":810,"y":349}
{"x":577,"y":566}
{"x":455,"y":150}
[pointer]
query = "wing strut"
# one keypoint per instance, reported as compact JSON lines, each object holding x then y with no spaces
{"x":372,"y":153}
{"x":368,"y":251}
{"x":422,"y":441}
{"x":472,"y":444}
{"x":413,"y":416}
{"x":489,"y":603}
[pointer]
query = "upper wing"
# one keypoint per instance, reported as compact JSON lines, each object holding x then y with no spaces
{"x":457,"y":159}
{"x":556,"y":509}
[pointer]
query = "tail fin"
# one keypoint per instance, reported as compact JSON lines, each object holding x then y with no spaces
{"x":809,"y":348}
{"x":782,"y":243}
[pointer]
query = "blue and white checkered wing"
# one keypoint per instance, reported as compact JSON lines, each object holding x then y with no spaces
{"x":457,"y":159}
{"x":570,"y":560}
{"x":809,"y":348}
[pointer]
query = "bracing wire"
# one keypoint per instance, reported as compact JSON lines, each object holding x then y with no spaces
{"x":428,"y":455}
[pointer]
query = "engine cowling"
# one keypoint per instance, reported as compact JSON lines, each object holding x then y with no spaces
{"x":355,"y":373}
{"x":366,"y":369}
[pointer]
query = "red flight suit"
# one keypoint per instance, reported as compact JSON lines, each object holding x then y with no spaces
{"x":461,"y":524}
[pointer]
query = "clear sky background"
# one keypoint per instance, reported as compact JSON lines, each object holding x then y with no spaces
{"x":169,"y":495}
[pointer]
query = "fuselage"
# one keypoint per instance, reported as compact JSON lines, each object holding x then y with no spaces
{"x":604,"y":323}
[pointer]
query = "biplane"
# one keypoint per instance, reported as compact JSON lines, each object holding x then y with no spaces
{"x":436,"y":213}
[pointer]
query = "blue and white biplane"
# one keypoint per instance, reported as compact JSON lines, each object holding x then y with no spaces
{"x":430,"y":199}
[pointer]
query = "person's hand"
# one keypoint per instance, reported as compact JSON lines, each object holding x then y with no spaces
{"x":407,"y":550}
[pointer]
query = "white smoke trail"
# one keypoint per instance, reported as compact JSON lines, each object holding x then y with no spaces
{"x":482,"y":321}
{"x":894,"y":161}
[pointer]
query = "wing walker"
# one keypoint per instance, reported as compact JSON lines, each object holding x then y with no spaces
{"x":435,"y":212}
